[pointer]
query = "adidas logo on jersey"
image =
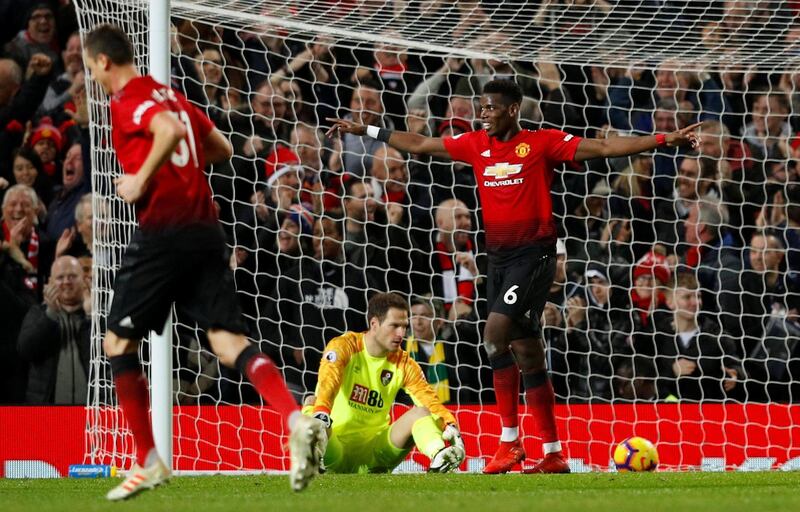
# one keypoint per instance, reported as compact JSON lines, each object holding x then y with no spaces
{"x":486,"y":154}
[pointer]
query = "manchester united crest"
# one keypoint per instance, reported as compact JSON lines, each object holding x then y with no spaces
{"x":386,"y":377}
{"x":522,"y":149}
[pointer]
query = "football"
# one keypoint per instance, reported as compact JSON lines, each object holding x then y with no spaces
{"x":636,"y":454}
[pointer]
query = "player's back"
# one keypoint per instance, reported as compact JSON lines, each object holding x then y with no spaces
{"x":178,"y":194}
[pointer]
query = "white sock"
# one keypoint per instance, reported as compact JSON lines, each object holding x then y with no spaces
{"x":509,"y":434}
{"x":293,"y":418}
{"x":551,"y":447}
{"x":152,"y":458}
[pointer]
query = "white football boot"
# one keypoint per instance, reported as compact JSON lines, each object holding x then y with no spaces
{"x":139,"y":479}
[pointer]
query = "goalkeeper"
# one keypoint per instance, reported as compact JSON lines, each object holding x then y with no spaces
{"x":359,"y":377}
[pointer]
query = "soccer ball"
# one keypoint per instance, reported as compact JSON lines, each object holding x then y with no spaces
{"x":636,"y":454}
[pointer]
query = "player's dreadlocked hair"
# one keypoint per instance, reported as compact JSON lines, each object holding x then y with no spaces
{"x":380,"y":304}
{"x":507,"y":89}
{"x":111,"y":41}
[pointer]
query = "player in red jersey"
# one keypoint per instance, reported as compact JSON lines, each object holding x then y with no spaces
{"x":514,"y":170}
{"x":177,"y":254}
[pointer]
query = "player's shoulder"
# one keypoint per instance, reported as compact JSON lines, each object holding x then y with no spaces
{"x":549,"y":134}
{"x":344,"y":346}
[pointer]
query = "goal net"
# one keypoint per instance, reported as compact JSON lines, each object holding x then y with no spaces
{"x":674,"y":311}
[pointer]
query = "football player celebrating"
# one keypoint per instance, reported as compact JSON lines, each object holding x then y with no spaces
{"x":514,"y":170}
{"x":359,"y":377}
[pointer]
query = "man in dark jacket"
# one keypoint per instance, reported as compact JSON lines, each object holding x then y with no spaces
{"x":55,"y":338}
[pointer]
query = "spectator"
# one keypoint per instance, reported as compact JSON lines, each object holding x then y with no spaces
{"x":455,"y":274}
{"x":321,"y":188}
{"x":375,"y":241}
{"x":55,"y":338}
{"x":717,"y":267}
{"x":436,"y":105}
{"x":596,"y":339}
{"x":436,"y":357}
{"x":15,"y":300}
{"x":586,"y":226}
{"x":317,"y":300}
{"x":769,"y":126}
{"x":47,"y":141}
{"x":633,"y":200}
{"x":648,"y":300}
{"x":28,"y":170}
{"x":77,"y":241}
{"x":61,"y":89}
{"x":354,"y":157}
{"x":18,"y":102}
{"x":20,"y":233}
{"x":39,"y":36}
{"x":691,"y":185}
{"x":390,"y":70}
{"x":695,"y":361}
{"x":76,"y":182}
{"x":220,"y":97}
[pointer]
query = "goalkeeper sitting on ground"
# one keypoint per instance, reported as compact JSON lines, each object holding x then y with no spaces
{"x":359,"y":377}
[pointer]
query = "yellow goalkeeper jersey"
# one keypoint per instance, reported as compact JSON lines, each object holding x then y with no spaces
{"x":358,"y":390}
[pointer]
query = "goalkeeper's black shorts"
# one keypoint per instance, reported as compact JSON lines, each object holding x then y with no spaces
{"x":518,"y":287}
{"x":187,"y":266}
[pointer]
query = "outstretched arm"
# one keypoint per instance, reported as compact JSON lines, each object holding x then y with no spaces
{"x":404,"y":141}
{"x":623,"y":146}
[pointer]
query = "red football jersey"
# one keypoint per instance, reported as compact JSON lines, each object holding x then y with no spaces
{"x":178,"y":193}
{"x":514,"y":180}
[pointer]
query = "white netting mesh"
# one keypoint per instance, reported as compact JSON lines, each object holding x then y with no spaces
{"x":269,"y":73}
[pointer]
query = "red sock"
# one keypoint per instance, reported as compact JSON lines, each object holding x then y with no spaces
{"x":134,"y":398}
{"x":269,"y":383}
{"x":541,"y":398}
{"x":506,"y":390}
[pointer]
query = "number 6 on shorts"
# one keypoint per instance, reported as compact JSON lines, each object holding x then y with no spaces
{"x":510,"y":297}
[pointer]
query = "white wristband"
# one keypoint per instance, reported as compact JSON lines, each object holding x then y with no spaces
{"x":373,"y":131}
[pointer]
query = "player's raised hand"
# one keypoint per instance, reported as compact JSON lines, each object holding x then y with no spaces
{"x":684,"y":137}
{"x":344,"y":126}
{"x":130,"y":188}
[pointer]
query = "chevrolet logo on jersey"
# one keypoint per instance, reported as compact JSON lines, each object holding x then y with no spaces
{"x":502,"y":169}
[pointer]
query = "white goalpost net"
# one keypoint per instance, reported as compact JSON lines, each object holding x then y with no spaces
{"x":674,"y":315}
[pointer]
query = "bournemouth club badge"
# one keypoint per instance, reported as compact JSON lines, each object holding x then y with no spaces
{"x":386,"y":377}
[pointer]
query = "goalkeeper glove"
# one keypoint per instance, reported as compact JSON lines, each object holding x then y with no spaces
{"x":449,"y":457}
{"x":326,"y":421}
{"x":324,"y":417}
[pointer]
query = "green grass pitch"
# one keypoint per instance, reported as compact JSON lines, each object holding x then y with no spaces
{"x":673,"y":492}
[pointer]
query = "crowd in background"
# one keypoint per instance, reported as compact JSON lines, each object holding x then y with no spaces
{"x":678,"y":270}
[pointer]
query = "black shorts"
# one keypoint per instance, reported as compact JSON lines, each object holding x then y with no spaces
{"x":518,"y":287}
{"x":187,"y":266}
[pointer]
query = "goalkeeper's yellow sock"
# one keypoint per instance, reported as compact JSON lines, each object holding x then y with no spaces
{"x":427,"y":436}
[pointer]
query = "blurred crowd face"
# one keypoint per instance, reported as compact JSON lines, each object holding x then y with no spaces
{"x":643,"y":286}
{"x":396,"y":172}
{"x":18,"y":207}
{"x":765,"y":253}
{"x":327,"y":240}
{"x":686,"y":302}
{"x":73,"y":167}
{"x":687,"y":178}
{"x":453,"y":218}
{"x":211,"y":66}
{"x":422,"y":320}
{"x":643,"y":167}
{"x":269,"y":103}
{"x":42,"y":26}
{"x":600,"y":290}
{"x":289,"y":237}
{"x":769,"y":116}
{"x":693,"y":230}
{"x":72,"y":55}
{"x":666,"y":82}
{"x":285,"y":190}
{"x":24,"y":171}
{"x":714,"y":145}
{"x":307,"y":147}
{"x":665,"y":121}
{"x":8,"y":85}
{"x":360,"y":205}
{"x":461,"y":108}
{"x":46,"y":149}
{"x":366,"y":106}
{"x":83,"y":223}
{"x":389,"y":55}
{"x":67,"y":275}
